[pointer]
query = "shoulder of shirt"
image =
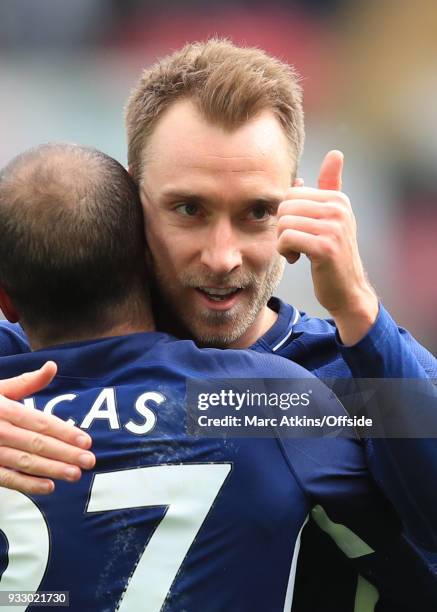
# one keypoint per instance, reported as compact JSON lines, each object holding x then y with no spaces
{"x":314,"y":325}
{"x":226,"y":363}
{"x":291,"y":324}
{"x":12,"y":338}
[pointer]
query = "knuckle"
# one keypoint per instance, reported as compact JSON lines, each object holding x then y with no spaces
{"x":284,"y":222}
{"x":25,"y":378}
{"x":37,"y":444}
{"x":337,"y":230}
{"x":343,"y":200}
{"x":24,"y":462}
{"x":282,"y":245}
{"x":284,"y":208}
{"x":42,"y":424}
{"x":328,"y":249}
{"x":284,"y":238}
{"x":337,"y":212}
{"x":19,"y":415}
{"x":7,"y":478}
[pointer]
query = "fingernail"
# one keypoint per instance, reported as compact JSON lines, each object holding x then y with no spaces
{"x":83,"y":441}
{"x":72,"y":473}
{"x":47,"y":487}
{"x":86,"y":460}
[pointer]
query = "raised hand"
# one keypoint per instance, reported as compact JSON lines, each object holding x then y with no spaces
{"x":320,"y":223}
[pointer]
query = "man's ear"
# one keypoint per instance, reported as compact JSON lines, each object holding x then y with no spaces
{"x":7,"y":307}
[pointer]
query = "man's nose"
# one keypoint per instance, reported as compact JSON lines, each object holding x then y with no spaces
{"x":221,"y":251}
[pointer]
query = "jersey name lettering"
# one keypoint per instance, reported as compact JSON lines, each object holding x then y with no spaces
{"x":104,"y":408}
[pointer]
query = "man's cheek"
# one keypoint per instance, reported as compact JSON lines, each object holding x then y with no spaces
{"x":266,"y":260}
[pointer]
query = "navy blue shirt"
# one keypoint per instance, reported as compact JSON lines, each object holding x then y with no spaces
{"x":401,"y":467}
{"x":324,"y":580}
{"x":168,"y":521}
{"x":387,"y":351}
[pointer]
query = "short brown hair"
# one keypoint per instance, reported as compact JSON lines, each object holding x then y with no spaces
{"x":229,"y":84}
{"x":72,"y":238}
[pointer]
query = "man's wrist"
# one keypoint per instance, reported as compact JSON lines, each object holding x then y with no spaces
{"x":355,"y":322}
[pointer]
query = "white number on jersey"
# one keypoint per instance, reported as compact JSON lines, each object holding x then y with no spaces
{"x":189,"y":492}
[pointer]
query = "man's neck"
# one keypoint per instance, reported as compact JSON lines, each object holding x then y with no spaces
{"x":142,"y":324}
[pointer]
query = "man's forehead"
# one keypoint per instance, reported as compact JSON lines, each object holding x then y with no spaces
{"x":216,"y":181}
{"x":197,"y":161}
{"x":184,"y":136}
{"x":212,"y":183}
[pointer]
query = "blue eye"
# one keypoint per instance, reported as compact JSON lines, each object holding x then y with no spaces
{"x":188,"y":209}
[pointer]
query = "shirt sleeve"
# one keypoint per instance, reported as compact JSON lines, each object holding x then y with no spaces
{"x":388,"y":351}
{"x":403,"y":467}
{"x":13,"y":340}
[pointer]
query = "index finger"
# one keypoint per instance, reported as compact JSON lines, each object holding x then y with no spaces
{"x":28,"y":383}
{"x":39,"y":422}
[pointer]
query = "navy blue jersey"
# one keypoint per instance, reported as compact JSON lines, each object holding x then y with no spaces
{"x":170,"y":522}
{"x":387,"y":351}
{"x":13,"y":340}
{"x":398,"y":465}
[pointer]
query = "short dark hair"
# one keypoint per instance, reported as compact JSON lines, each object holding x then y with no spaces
{"x":71,"y":236}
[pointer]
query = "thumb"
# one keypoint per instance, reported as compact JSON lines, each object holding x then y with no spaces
{"x":331,"y":170}
{"x":20,"y":386}
{"x":298,"y":182}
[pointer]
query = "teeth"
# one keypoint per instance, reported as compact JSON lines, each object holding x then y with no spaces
{"x":218,"y":291}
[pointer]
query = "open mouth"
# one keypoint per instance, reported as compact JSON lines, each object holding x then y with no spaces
{"x":219,"y":294}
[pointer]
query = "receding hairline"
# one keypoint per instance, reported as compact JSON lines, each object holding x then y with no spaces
{"x":227,"y":128}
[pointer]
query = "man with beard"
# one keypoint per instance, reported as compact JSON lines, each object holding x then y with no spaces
{"x":166,"y":520}
{"x":215,"y":134}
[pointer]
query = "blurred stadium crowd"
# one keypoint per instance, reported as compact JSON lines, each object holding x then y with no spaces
{"x":370,"y":82}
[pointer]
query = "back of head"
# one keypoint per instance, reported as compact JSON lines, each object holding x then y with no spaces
{"x":229,"y":84}
{"x":72,"y":241}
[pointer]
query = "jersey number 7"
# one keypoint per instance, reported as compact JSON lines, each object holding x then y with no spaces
{"x":188,"y":491}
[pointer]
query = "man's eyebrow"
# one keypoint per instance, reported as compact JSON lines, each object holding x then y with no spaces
{"x":271,"y":201}
{"x":179,"y":194}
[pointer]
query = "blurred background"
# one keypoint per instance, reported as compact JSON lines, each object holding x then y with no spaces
{"x":369,"y":71}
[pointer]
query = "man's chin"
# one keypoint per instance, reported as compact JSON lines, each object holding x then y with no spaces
{"x":215,"y":336}
{"x":218,"y":342}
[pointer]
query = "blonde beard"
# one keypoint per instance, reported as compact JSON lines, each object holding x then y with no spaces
{"x":238,"y":323}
